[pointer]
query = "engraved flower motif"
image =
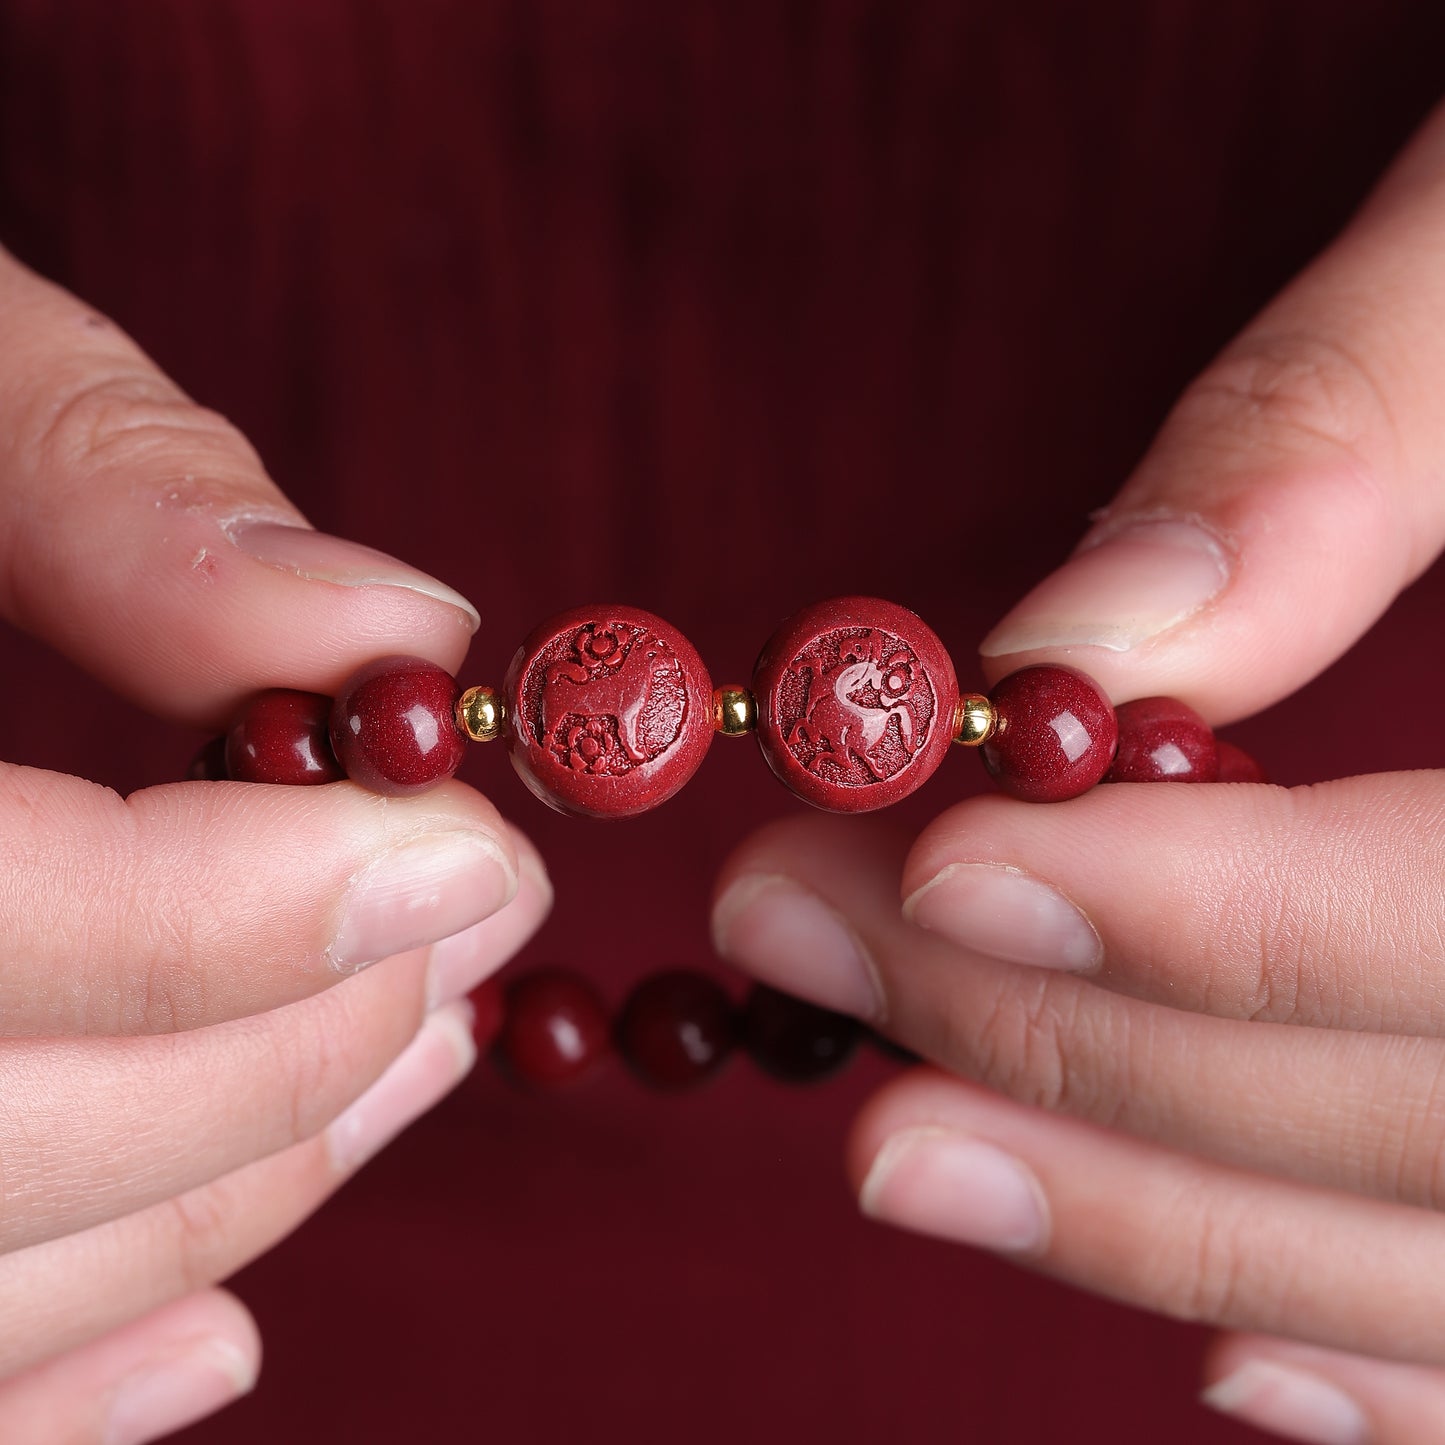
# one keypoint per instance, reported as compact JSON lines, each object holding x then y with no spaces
{"x":599,"y":645}
{"x":588,"y":745}
{"x":897,"y":678}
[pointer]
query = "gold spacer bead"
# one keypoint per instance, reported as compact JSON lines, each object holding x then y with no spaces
{"x":974,"y":721}
{"x":481,"y":714}
{"x":734,"y":711}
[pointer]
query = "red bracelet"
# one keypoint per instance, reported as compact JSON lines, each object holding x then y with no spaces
{"x":608,"y":711}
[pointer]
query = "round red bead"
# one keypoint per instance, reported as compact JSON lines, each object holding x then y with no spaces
{"x":1162,"y":740}
{"x":1055,"y":734}
{"x":393,"y":726}
{"x":280,"y":736}
{"x":610,"y":711}
{"x":1237,"y":766}
{"x":555,"y":1027}
{"x":794,"y":1040}
{"x":676,"y":1028}
{"x":856,"y":700}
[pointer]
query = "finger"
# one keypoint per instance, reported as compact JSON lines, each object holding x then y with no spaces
{"x":58,"y":1295}
{"x":1216,"y":575}
{"x":144,"y":1380}
{"x":1327,"y":1397}
{"x":1148,"y":1226}
{"x":191,"y":903}
{"x":140,"y":534}
{"x":1311,"y":906}
{"x":97,"y":1128}
{"x":809,"y":906}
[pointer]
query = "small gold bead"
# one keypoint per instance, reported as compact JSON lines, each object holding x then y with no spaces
{"x":734,"y":711}
{"x":481,"y":714}
{"x":974,"y":721}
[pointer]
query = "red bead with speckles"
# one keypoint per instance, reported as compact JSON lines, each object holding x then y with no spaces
{"x":610,"y":711}
{"x":856,"y":700}
{"x":280,"y":736}
{"x":393,"y":726}
{"x":555,"y":1027}
{"x":1236,"y":765}
{"x":676,"y":1029}
{"x":1055,"y":734}
{"x":1162,"y":740}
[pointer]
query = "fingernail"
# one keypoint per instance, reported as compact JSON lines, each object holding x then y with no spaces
{"x":787,"y":936}
{"x":952,"y":1186}
{"x":431,"y":1065}
{"x":419,"y":892}
{"x":1006,"y":914}
{"x":320,"y":557}
{"x":1125,"y":589}
{"x":166,"y":1395}
{"x":1289,"y":1402}
{"x":456,"y":965}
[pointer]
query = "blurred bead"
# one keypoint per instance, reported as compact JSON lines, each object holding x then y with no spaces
{"x":1236,"y":765}
{"x":676,"y":1029}
{"x":611,"y":711}
{"x":1055,"y":734}
{"x":280,"y":736}
{"x":489,"y":1009}
{"x":393,"y":726}
{"x":555,"y":1027}
{"x":209,"y":764}
{"x":1162,"y":740}
{"x":975,"y":720}
{"x":892,"y":1049}
{"x":481,"y":714}
{"x":734,"y":711}
{"x":795,"y":1041}
{"x":856,"y":700}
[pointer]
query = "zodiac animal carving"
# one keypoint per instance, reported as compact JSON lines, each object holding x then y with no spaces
{"x":571,"y":690}
{"x":838,"y":726}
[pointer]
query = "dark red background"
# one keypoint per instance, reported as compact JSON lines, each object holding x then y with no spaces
{"x":717,"y":308}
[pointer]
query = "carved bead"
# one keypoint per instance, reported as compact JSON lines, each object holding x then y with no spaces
{"x":856,"y":703}
{"x":610,"y":711}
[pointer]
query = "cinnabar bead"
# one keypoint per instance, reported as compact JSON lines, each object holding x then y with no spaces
{"x":1236,"y":765}
{"x":1055,"y":734}
{"x":856,"y":700}
{"x":676,"y":1029}
{"x":209,"y":764}
{"x":280,"y":736}
{"x":393,"y":726}
{"x":609,"y":711}
{"x":489,"y":1010}
{"x":1163,"y":740}
{"x":796,"y":1041}
{"x":555,"y":1027}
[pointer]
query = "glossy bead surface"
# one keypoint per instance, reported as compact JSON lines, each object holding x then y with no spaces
{"x":554,"y":1029}
{"x":280,"y":736}
{"x":796,"y":1041}
{"x":1054,"y":736}
{"x":1162,"y":740}
{"x":393,"y":726}
{"x":676,"y":1029}
{"x":610,"y":711}
{"x":1237,"y":766}
{"x":856,"y":700}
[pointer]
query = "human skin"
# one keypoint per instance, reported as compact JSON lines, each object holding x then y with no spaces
{"x":1105,"y":985}
{"x":195,"y":1050}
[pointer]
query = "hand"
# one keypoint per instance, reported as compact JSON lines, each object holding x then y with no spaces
{"x":1215,"y":1013}
{"x":183,"y":1083}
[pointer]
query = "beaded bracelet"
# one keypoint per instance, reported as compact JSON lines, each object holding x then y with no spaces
{"x":608,"y":711}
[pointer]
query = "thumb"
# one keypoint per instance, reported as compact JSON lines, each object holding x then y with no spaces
{"x":141,"y":536}
{"x":1293,"y":491}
